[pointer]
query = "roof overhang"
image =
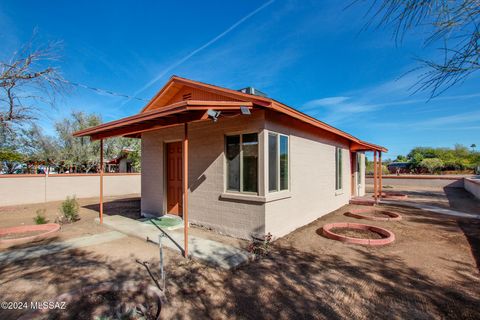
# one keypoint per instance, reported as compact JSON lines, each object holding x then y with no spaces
{"x":155,"y":115}
{"x":174,"y":114}
{"x":366,"y":146}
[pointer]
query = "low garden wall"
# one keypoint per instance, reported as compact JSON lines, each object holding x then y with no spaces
{"x":473,"y":186}
{"x":38,"y":188}
{"x":421,"y":181}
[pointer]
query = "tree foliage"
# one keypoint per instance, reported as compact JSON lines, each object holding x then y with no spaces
{"x":454,"y":25}
{"x":10,"y":160}
{"x":63,"y":152}
{"x":433,"y":165}
{"x":457,"y":158}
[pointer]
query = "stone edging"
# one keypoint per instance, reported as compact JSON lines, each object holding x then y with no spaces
{"x":390,"y":237}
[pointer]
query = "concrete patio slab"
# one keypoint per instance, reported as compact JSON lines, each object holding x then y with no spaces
{"x":37,"y":251}
{"x":435,"y":209}
{"x":207,"y":251}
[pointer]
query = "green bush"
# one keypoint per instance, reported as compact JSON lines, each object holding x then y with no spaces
{"x":432,"y":165}
{"x":69,"y":210}
{"x":40,"y":218}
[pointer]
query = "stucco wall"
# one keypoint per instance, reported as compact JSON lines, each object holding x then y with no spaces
{"x":20,"y":189}
{"x":235,"y":217}
{"x":312,"y":166}
{"x":472,"y":186}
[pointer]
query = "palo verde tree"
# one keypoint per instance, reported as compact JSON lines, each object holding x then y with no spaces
{"x":452,"y":25}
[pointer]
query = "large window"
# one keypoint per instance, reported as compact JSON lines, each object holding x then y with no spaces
{"x":242,"y":162}
{"x":338,"y":169}
{"x":278,"y":156}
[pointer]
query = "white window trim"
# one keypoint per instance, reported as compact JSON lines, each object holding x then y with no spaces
{"x":267,"y":163}
{"x":227,"y":191}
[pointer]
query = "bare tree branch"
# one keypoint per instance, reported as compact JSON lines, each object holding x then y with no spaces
{"x":28,"y":79}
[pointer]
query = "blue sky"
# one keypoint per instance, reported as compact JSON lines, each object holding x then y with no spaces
{"x":311,"y":55}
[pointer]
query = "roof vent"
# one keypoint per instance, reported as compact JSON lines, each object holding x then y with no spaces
{"x":253,"y":91}
{"x":187,"y":96}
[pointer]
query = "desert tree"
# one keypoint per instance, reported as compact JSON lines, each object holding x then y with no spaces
{"x":452,"y":26}
{"x":28,"y":79}
{"x":81,"y":153}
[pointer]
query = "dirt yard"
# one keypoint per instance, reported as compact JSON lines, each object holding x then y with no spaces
{"x":430,"y":272}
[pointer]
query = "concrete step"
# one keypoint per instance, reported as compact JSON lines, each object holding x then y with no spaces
{"x":204,"y":250}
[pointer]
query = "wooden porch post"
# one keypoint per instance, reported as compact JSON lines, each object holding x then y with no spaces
{"x":375,"y":175}
{"x":101,"y":181}
{"x":380,"y":174}
{"x":185,"y":189}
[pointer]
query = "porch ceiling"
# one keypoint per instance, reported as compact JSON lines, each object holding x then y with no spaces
{"x":176,"y":113}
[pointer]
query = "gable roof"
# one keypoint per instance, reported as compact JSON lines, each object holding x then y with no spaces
{"x":178,"y":82}
{"x":166,"y":102}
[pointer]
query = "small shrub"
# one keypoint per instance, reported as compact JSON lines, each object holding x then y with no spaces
{"x":69,"y":209}
{"x":259,"y":246}
{"x":40,"y":218}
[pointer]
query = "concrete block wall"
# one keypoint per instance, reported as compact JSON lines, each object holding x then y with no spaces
{"x":207,"y":207}
{"x":312,"y":176}
{"x":312,"y":191}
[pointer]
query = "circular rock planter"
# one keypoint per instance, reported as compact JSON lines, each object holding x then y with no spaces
{"x":329,"y":230}
{"x":107,"y":300}
{"x":13,"y":236}
{"x":369,"y":214}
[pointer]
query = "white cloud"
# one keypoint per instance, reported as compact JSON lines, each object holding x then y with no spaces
{"x":330,"y":101}
{"x":338,"y":109}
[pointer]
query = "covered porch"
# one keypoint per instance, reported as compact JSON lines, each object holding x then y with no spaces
{"x":179,"y":114}
{"x":377,"y":173}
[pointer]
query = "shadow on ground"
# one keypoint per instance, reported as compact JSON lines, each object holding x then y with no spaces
{"x":126,"y":207}
{"x":45,"y":278}
{"x":463,"y":200}
{"x":291,"y":284}
{"x":288,"y":284}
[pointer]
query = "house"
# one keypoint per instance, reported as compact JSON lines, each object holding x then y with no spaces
{"x":120,"y":164}
{"x":399,"y":167}
{"x":253,"y":165}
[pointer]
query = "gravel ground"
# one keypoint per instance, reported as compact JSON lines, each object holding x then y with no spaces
{"x":430,"y":272}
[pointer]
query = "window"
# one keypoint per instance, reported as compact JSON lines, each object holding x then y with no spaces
{"x":242,"y":162}
{"x":278,"y":156}
{"x":338,"y":169}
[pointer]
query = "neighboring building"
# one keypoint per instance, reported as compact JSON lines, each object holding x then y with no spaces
{"x":121,"y":164}
{"x":254,"y":164}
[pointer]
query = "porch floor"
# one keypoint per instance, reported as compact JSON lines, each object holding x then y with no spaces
{"x":207,"y":251}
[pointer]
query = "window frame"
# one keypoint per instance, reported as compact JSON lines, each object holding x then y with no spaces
{"x":240,"y":134}
{"x":338,"y":169}
{"x":267,"y":162}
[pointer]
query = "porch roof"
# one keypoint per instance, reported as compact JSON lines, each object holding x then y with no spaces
{"x":173,"y":114}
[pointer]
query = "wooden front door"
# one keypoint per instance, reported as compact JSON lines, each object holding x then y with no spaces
{"x":174,"y":178}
